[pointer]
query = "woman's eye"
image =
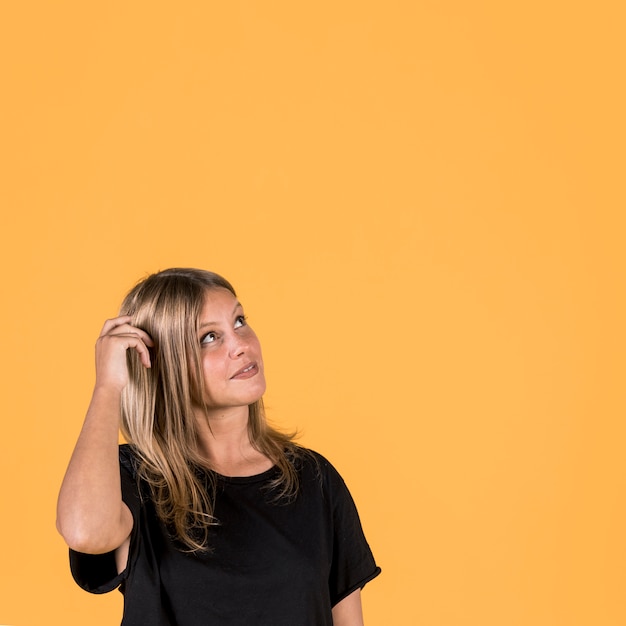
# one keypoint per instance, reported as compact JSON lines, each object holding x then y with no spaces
{"x":240,"y":321}
{"x":208,"y":338}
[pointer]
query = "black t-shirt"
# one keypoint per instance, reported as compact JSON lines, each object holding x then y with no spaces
{"x":271,"y":564}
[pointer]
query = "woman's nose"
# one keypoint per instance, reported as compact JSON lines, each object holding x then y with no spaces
{"x":238,"y":346}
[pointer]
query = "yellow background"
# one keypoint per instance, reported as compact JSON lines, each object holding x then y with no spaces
{"x":421,"y":205}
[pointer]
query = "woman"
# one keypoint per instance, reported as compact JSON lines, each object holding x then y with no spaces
{"x":207,"y":515}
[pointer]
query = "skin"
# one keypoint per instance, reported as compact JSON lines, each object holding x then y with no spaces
{"x":228,"y":346}
{"x":91,"y":516}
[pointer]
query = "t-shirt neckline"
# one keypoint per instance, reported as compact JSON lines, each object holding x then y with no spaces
{"x":242,"y":480}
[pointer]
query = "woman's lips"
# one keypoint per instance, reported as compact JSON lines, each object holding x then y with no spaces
{"x":248,"y":371}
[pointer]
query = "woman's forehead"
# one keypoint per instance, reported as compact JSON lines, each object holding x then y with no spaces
{"x":218,"y":302}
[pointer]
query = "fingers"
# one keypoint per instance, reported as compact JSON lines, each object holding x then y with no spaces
{"x":113,"y":323}
{"x":132,"y":341}
{"x":117,"y":337}
{"x":122,"y":326}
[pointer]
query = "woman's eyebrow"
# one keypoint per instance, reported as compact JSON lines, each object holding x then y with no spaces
{"x":237,"y":306}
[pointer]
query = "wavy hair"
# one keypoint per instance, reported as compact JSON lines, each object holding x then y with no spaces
{"x":158,"y":418}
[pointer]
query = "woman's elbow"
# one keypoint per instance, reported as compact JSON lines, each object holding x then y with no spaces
{"x":86,"y":540}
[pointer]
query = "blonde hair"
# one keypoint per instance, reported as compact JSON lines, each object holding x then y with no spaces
{"x":158,"y":417}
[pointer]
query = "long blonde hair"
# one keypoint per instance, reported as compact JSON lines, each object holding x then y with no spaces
{"x":158,"y":406}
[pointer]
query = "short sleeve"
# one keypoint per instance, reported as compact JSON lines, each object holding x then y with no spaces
{"x":97,"y":573}
{"x":353,"y":563}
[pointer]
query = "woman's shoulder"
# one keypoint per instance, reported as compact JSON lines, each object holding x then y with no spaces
{"x":312,"y":462}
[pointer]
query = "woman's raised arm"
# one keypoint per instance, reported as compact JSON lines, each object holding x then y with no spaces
{"x":91,"y":515}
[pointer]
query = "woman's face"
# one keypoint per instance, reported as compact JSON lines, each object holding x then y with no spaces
{"x":230,"y":354}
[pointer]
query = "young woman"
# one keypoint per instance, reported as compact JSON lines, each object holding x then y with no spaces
{"x":207,"y":516}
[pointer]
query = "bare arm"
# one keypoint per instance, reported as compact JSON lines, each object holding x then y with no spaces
{"x":349,"y":612}
{"x":91,"y":515}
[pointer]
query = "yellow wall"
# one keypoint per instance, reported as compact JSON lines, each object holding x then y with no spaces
{"x":422,"y":207}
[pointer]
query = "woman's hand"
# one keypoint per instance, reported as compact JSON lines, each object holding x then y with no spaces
{"x":118,"y":336}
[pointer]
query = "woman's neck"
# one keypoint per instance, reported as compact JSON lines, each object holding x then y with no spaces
{"x":224,"y":441}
